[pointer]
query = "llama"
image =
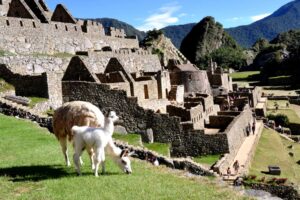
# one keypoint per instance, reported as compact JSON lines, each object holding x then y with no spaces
{"x":78,"y":113}
{"x":98,"y":138}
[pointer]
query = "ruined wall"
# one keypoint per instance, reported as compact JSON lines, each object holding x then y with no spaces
{"x":26,"y":85}
{"x":4,"y":7}
{"x":29,"y":36}
{"x":236,"y":134}
{"x":131,"y":61}
{"x":157,"y":105}
{"x":197,"y":115}
{"x":55,"y":89}
{"x":34,"y":64}
{"x":198,"y":143}
{"x":196,"y":81}
{"x":219,"y":121}
{"x":183,"y":113}
{"x":164,"y":84}
{"x":184,"y":141}
{"x":136,"y":120}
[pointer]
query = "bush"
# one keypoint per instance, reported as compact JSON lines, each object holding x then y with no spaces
{"x":280,"y":119}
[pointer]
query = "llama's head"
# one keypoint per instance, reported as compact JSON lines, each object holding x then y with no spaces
{"x":124,"y":162}
{"x":113,"y":116}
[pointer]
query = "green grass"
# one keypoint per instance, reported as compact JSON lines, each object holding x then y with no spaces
{"x":245,"y":76}
{"x":132,"y":139}
{"x":272,"y":150}
{"x":208,"y":160}
{"x":32,"y":168}
{"x":160,"y":148}
{"x":5,"y":53}
{"x":4,"y":86}
{"x":294,"y":120}
{"x":36,"y":100}
{"x":135,"y":140}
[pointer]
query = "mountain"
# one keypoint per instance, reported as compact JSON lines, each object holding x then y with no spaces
{"x":129,"y":30}
{"x":177,"y":33}
{"x":284,"y":19}
{"x":207,"y":40}
{"x":161,"y":45}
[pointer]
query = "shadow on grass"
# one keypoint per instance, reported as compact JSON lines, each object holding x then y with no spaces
{"x":44,"y":172}
{"x":265,"y":172}
{"x":34,"y":173}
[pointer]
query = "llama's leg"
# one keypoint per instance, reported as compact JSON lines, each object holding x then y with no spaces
{"x":103,"y":162}
{"x":97,"y":160}
{"x":80,"y":159}
{"x":91,"y":154}
{"x":64,"y":148}
{"x":76,"y":159}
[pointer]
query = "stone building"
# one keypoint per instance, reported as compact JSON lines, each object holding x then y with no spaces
{"x":220,"y":81}
{"x":193,"y":79}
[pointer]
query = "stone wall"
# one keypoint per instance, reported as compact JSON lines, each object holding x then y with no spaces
{"x":132,"y":62}
{"x":27,"y":35}
{"x":183,"y":139}
{"x":26,"y":85}
{"x":282,"y":191}
{"x":34,"y":64}
{"x":193,"y":81}
{"x":12,"y":109}
{"x":236,"y":134}
{"x":136,"y":120}
{"x":220,"y":121}
{"x":198,"y":143}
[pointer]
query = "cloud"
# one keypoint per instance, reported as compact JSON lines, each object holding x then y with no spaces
{"x":234,"y":19}
{"x":161,"y":18}
{"x":182,"y":15}
{"x":259,"y":17}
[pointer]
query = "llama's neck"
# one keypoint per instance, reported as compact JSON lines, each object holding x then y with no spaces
{"x":113,"y":149}
{"x":109,"y":126}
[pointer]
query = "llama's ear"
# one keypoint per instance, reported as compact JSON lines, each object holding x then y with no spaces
{"x":124,"y":153}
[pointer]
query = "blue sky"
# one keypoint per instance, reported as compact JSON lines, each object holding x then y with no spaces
{"x":146,"y":15}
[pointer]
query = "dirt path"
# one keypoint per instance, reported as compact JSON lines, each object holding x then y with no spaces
{"x":246,"y":149}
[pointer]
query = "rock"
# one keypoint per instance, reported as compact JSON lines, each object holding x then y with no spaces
{"x":121,"y":130}
{"x":147,"y":136}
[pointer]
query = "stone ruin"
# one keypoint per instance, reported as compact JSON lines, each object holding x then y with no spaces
{"x":191,"y":109}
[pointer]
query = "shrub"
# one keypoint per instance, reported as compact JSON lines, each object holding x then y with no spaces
{"x":280,"y":119}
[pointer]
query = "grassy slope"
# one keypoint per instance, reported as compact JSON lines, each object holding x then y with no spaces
{"x":4,"y":86}
{"x":32,"y":167}
{"x":244,"y":76}
{"x":272,"y":150}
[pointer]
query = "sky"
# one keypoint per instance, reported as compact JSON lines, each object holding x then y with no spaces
{"x":148,"y":14}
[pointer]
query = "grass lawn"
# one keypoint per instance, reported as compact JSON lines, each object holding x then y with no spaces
{"x":273,"y":150}
{"x":135,"y":140}
{"x":36,"y":100}
{"x":132,"y":139}
{"x":163,"y":149}
{"x":32,"y":167}
{"x":207,"y":160}
{"x":245,"y":76}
